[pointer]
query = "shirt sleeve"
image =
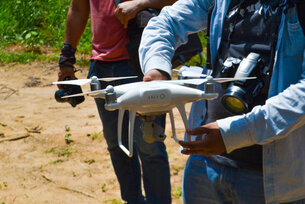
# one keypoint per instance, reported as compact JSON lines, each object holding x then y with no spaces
{"x":168,"y":30}
{"x":280,"y":116}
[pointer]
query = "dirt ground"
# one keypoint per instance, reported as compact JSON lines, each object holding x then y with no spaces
{"x":36,"y":163}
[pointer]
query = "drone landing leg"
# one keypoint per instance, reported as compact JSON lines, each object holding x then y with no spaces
{"x":132,"y":115}
{"x":181,"y":109}
{"x":171,"y":116}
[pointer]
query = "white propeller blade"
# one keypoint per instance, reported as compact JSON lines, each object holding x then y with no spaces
{"x":85,"y":93}
{"x":81,"y":82}
{"x":190,"y":74}
{"x":78,"y":82}
{"x":201,"y":81}
{"x":116,"y":78}
{"x":222,"y":80}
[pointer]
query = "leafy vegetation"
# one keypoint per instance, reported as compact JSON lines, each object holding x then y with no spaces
{"x":38,"y":25}
{"x":177,"y":193}
{"x":96,"y":135}
{"x":24,"y":58}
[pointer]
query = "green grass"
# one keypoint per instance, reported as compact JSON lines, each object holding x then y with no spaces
{"x":177,"y":193}
{"x":61,"y":152}
{"x":24,"y":58}
{"x":37,"y":24}
{"x":33,"y":23}
{"x":96,"y":135}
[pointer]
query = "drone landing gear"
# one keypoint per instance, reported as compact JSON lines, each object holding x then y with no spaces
{"x":151,"y":130}
{"x":132,"y":116}
{"x":182,"y":112}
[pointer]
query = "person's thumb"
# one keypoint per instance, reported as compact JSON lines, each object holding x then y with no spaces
{"x":147,"y":78}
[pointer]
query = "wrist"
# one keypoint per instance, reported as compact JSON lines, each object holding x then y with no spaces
{"x":141,"y":5}
{"x":164,"y":75}
{"x":67,"y":56}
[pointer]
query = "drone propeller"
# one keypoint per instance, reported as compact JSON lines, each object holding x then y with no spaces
{"x":190,"y":72}
{"x":86,"y":93}
{"x":81,"y":82}
{"x":97,"y":93}
{"x":78,"y":82}
{"x":207,"y":79}
{"x":223,"y":80}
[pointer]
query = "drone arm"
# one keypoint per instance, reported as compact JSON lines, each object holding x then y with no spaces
{"x":132,"y":116}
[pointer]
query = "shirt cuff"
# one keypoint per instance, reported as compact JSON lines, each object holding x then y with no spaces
{"x":158,"y":63}
{"x":235,"y":132}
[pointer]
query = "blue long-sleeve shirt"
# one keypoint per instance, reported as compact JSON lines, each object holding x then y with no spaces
{"x":279,"y":125}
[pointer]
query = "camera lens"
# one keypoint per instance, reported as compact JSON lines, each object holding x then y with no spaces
{"x":234,"y":105}
{"x":234,"y":100}
{"x":239,"y":97}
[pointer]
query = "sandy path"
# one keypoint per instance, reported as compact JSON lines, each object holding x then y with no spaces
{"x":42,"y":168}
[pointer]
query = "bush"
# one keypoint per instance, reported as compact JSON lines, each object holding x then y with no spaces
{"x":36,"y":22}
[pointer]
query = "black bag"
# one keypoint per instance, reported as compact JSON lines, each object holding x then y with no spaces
{"x":135,"y":28}
{"x":301,"y":13}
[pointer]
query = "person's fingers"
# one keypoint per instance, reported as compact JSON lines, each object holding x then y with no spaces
{"x":65,"y":72}
{"x":142,"y":117}
{"x":198,"y":131}
{"x":147,"y":78}
{"x":155,"y":74}
{"x":118,"y":14}
{"x":125,"y":23}
{"x":195,"y":145}
{"x":196,"y":152}
{"x":116,"y":11}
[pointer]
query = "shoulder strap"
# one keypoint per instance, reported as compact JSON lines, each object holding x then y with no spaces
{"x":207,"y":37}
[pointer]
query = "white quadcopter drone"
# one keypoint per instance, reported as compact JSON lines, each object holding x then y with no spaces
{"x":151,"y":99}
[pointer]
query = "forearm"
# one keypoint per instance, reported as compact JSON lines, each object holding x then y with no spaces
{"x":281,"y":115}
{"x":168,"y":30}
{"x":77,"y":18}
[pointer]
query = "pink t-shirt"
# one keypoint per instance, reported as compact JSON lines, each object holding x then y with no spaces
{"x":109,"y":37}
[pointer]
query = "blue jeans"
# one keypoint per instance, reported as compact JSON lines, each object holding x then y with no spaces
{"x":207,"y":182}
{"x":154,"y":160}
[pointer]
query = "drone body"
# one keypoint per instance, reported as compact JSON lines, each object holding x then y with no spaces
{"x":155,"y":97}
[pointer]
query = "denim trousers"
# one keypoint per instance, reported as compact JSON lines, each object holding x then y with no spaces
{"x":149,"y":159}
{"x":207,"y":182}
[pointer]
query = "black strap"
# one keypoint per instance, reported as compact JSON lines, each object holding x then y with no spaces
{"x":208,"y":63}
{"x":67,"y":56}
